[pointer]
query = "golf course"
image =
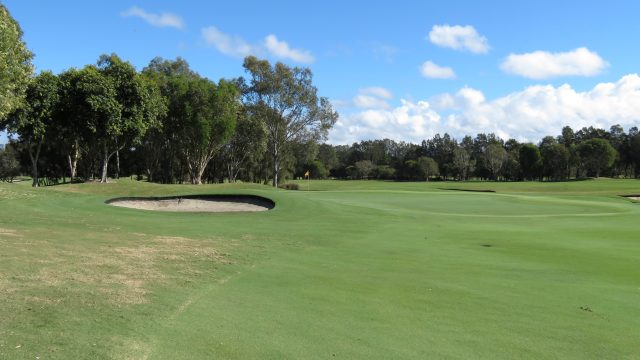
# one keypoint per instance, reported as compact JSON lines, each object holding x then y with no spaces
{"x":347,"y":269}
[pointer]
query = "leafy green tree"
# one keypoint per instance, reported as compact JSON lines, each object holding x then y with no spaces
{"x":495,"y":156}
{"x":427,"y":167}
{"x":33,"y":120}
{"x":530,"y":161}
{"x":597,"y":155}
{"x":134,"y":106}
{"x":555,"y":161}
{"x":210,"y":113}
{"x":9,"y":164}
{"x":288,"y":104}
{"x":364,"y":168}
{"x":247,"y":144}
{"x":462,"y":163}
{"x":15,"y":64}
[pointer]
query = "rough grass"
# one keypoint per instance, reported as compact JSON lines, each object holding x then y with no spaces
{"x":351,"y":269}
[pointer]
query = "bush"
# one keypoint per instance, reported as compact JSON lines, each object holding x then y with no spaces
{"x":289,"y":186}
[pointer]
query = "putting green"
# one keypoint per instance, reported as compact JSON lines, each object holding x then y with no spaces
{"x":360,"y":269}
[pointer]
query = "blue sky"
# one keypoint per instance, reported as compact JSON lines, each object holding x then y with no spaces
{"x":403,"y":70}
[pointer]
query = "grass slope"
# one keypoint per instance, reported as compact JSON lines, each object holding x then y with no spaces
{"x":358,"y":269}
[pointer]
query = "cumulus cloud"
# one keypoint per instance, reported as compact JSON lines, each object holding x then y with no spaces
{"x":433,"y":71}
{"x":412,"y":121}
{"x":458,"y":37}
{"x":236,"y":46}
{"x":372,"y":98}
{"x":282,"y":50}
{"x":526,"y":115}
{"x":160,"y":20}
{"x":227,"y":44}
{"x":545,"y":65}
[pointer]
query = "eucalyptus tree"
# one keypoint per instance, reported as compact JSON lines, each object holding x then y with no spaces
{"x":15,"y":64}
{"x":427,"y":167}
{"x":34,"y":119}
{"x":462,"y":162}
{"x":134,"y":105}
{"x":247,"y":144}
{"x":495,"y":156}
{"x":288,"y":103}
{"x":597,"y":155}
{"x":209,"y":119}
{"x":530,"y":161}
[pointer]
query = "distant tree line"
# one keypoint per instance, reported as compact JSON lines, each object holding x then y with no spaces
{"x":588,"y":152}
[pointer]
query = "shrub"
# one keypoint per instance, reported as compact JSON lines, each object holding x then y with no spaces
{"x":289,"y":186}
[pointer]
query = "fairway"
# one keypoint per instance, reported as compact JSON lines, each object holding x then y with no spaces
{"x":348,"y":270}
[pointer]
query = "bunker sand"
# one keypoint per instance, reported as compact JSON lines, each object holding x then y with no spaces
{"x":197,"y":204}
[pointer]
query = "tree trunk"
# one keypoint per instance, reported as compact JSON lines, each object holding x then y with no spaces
{"x":105,"y":165}
{"x":117,"y":164}
{"x":34,"y":164}
{"x":276,"y":167}
{"x":73,"y":157}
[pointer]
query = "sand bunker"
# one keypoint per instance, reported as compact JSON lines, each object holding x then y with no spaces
{"x":634,"y":197}
{"x":197,"y":203}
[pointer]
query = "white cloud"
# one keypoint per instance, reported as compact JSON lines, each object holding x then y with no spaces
{"x":372,"y":98}
{"x":160,"y":20}
{"x":227,"y":44}
{"x":377,"y":91}
{"x":526,"y":115}
{"x":282,"y":50}
{"x":412,"y":121}
{"x":236,"y":46}
{"x":546,"y":65}
{"x":431,"y":70}
{"x":459,"y":38}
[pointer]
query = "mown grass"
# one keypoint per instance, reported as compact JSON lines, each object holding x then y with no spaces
{"x":350,"y":269}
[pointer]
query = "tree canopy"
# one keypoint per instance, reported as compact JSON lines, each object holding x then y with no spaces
{"x":15,"y":64}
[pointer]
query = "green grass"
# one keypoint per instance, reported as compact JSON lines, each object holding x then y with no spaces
{"x":350,"y":269}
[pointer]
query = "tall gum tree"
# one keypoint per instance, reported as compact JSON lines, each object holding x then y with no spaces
{"x":34,"y":120}
{"x":138,"y":105}
{"x":210,"y":112}
{"x":288,"y":104}
{"x":15,"y":64}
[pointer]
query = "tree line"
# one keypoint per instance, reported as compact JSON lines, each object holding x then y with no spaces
{"x":166,"y":122}
{"x":588,"y":152}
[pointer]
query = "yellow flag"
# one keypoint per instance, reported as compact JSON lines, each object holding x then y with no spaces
{"x":307,"y":174}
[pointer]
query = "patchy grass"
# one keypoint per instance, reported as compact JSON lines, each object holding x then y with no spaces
{"x":354,"y":269}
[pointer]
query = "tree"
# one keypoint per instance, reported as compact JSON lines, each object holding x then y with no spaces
{"x":555,"y":161}
{"x":81,"y":93}
{"x":32,"y":121}
{"x":530,"y":161}
{"x":495,"y":156}
{"x":15,"y":64}
{"x":247,"y":143}
{"x":210,"y":113}
{"x":462,"y":163}
{"x":9,"y":165}
{"x":597,"y":155}
{"x":288,"y":104}
{"x":427,"y":167}
{"x":134,"y":106}
{"x":364,"y":168}
{"x":635,"y":151}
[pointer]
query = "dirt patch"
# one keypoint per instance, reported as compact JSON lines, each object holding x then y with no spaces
{"x":239,"y":203}
{"x":9,"y":232}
